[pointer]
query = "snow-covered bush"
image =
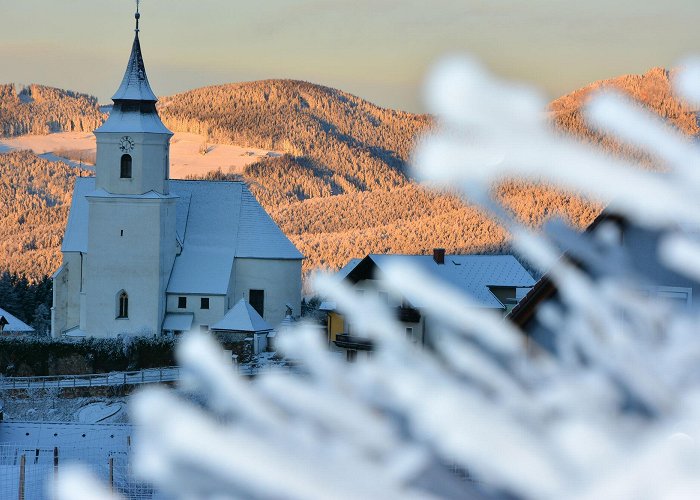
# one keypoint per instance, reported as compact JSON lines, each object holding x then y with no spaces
{"x":615,"y":415}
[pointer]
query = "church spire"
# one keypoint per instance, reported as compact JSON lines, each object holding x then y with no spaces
{"x":135,"y":86}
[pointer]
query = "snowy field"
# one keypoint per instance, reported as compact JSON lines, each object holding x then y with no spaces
{"x":43,"y":450}
{"x":185,"y":156}
{"x":45,"y":406}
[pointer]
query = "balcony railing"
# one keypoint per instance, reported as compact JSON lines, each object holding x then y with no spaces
{"x":350,"y":342}
{"x":407,"y":314}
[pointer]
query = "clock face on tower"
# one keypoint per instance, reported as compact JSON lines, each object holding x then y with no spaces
{"x":126,"y":144}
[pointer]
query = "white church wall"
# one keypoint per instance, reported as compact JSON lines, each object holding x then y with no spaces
{"x":126,"y":253}
{"x":149,"y":163}
{"x":216,"y":311}
{"x":65,"y":312}
{"x":280,"y":279}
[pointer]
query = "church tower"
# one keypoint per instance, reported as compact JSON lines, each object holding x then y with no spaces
{"x":132,"y":240}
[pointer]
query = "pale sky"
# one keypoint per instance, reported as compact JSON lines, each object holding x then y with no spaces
{"x":377,"y":49}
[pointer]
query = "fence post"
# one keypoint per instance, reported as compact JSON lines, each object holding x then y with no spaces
{"x":142,"y":372}
{"x":111,"y":474}
{"x":124,"y":378}
{"x":55,"y":468}
{"x":22,"y":462}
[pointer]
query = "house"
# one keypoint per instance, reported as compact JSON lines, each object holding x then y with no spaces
{"x":494,"y":281}
{"x":10,"y":325}
{"x":144,"y":254}
{"x":632,"y":254}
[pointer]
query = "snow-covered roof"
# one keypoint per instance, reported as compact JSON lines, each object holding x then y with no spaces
{"x":242,"y":318}
{"x":75,"y":333}
{"x":134,"y":109}
{"x":13,"y":325}
{"x":75,"y":238}
{"x":133,"y":121}
{"x":135,"y":86}
{"x":472,"y":274}
{"x":345,"y":270}
{"x":216,"y":222}
{"x":224,"y":222}
{"x":178,"y":322}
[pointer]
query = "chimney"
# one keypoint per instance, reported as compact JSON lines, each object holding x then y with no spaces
{"x":439,"y":255}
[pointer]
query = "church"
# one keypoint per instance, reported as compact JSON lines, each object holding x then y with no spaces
{"x":147,"y":255}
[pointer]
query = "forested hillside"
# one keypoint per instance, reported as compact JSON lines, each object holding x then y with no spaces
{"x":340,"y":191}
{"x":653,"y":89}
{"x":338,"y":143}
{"x":35,"y":197}
{"x":37,"y":109}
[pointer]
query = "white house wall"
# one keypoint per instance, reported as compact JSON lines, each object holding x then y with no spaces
{"x":216,"y":311}
{"x":281,"y":280}
{"x":372,"y":289}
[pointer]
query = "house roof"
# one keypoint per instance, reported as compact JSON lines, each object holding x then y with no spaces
{"x":473,"y":274}
{"x":242,"y":318}
{"x":13,"y":324}
{"x":179,"y":322}
{"x":545,"y":287}
{"x":216,"y":222}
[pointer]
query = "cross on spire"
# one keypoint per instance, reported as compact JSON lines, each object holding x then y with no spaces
{"x":137,"y":15}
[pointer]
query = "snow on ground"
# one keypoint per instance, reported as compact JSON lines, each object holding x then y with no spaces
{"x":45,"y":406}
{"x":100,"y":411}
{"x":41,"y":144}
{"x":185,"y":156}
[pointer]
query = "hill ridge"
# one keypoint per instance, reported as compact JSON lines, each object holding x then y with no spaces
{"x":341,"y":190}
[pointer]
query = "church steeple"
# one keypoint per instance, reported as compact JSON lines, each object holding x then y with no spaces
{"x":135,"y":86}
{"x":133,"y":143}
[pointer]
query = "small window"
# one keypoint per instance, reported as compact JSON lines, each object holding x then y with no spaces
{"x":123,"y":306}
{"x":409,"y":332}
{"x":125,"y":171}
{"x":257,"y":300}
{"x":204,"y":328}
{"x":204,"y":303}
{"x":182,"y":302}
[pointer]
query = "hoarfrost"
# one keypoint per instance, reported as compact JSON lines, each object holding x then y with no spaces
{"x":614,"y":413}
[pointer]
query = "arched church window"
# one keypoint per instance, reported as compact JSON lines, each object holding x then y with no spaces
{"x":126,"y":167}
{"x":123,"y":305}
